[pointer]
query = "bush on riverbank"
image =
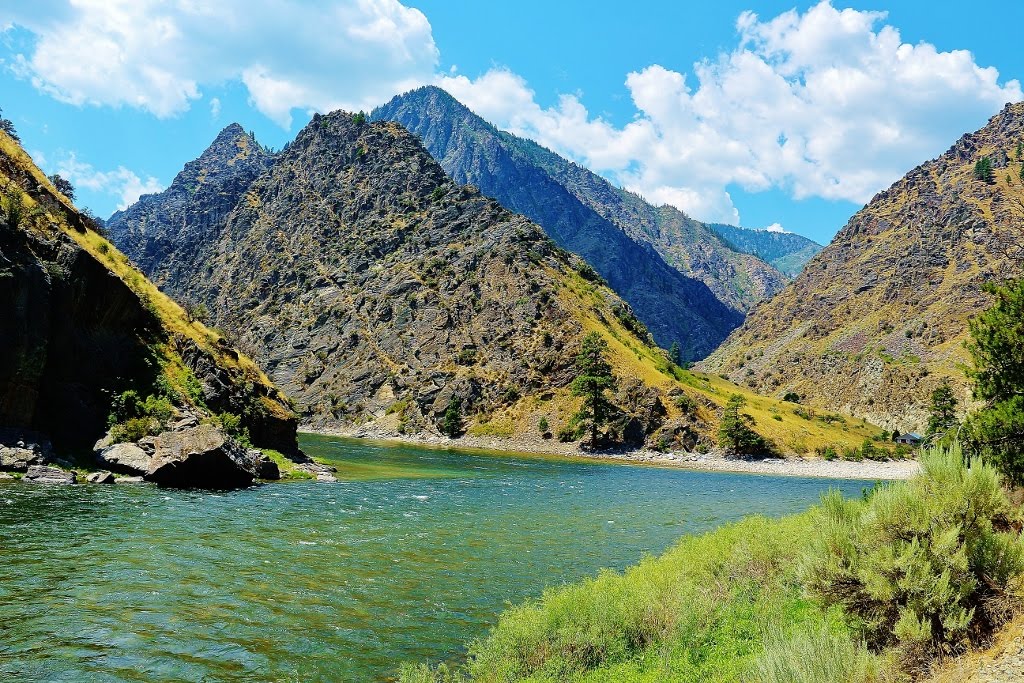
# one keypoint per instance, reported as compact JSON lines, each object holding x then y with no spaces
{"x":855,"y":591}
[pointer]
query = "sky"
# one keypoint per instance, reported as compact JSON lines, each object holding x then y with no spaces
{"x":757,"y":113}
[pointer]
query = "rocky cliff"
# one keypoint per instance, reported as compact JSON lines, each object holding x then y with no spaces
{"x":879,"y":318}
{"x":682,"y":280}
{"x":81,"y":327}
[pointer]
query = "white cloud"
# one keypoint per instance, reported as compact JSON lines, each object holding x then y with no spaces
{"x":823,"y":103}
{"x":122,"y":183}
{"x":776,"y":227}
{"x":215,"y":107}
{"x":158,"y":56}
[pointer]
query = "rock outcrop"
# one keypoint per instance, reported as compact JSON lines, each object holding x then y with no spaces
{"x":41,"y":474}
{"x":81,"y":327}
{"x":201,"y":457}
{"x":878,"y":319}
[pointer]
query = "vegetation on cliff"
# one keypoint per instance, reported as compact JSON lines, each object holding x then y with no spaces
{"x":83,"y":329}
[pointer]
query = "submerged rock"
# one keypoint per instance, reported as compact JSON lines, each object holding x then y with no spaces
{"x":129,"y":480}
{"x":100,"y":478}
{"x":201,"y":457}
{"x":40,"y":474}
{"x":265,"y":467}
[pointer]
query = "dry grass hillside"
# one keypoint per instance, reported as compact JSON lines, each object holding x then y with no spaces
{"x":879,"y":318}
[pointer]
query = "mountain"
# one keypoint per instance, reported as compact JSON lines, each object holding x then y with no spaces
{"x":186,"y":218}
{"x":624,"y":238}
{"x":878,"y":319}
{"x":81,"y":326}
{"x":382,"y":296}
{"x":786,"y":251}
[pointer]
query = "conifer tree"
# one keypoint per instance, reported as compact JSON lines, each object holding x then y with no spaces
{"x":593,"y":379}
{"x":943,"y":411}
{"x":996,"y":431}
{"x":673,"y":354}
{"x":983,"y":170}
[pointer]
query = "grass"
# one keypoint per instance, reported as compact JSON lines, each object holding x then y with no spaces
{"x":764,"y":600}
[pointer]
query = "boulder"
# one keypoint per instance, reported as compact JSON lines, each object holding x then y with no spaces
{"x":265,"y":467}
{"x":201,"y":457}
{"x":40,"y":474}
{"x":19,"y":450}
{"x":129,"y":480}
{"x":18,"y":459}
{"x":4,"y":476}
{"x":128,"y":458}
{"x":100,"y":478}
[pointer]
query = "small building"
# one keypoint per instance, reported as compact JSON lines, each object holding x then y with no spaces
{"x":909,"y":439}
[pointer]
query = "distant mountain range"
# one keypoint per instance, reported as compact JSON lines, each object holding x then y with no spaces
{"x":878,"y":319}
{"x":786,"y":251}
{"x":625,"y":239}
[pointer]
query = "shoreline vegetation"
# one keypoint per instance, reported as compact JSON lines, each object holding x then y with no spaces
{"x":712,"y":461}
{"x":883,"y":589}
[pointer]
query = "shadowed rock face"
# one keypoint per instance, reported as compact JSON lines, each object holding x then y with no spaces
{"x":201,"y":457}
{"x":366,"y":281}
{"x":683,"y":281}
{"x":75,"y":333}
{"x":878,"y":319}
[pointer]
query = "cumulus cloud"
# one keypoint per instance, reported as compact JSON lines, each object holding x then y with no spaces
{"x":826,"y":103}
{"x":158,"y":56}
{"x":776,"y":227}
{"x":122,"y":183}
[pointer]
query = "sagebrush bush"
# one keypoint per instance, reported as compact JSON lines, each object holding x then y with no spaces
{"x":816,"y":654}
{"x":926,"y":566}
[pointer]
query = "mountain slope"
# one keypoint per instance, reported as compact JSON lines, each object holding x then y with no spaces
{"x":625,"y":239}
{"x":879,"y":318}
{"x":381,"y":295}
{"x":186,"y":218}
{"x":80,"y":326}
{"x":786,"y":251}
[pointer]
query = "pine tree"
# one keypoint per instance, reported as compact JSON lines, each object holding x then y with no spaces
{"x":1019,"y":153}
{"x":593,"y":379}
{"x":451,"y":424}
{"x":673,"y":354}
{"x":996,"y":431}
{"x":734,"y":429}
{"x":983,"y":170}
{"x":943,"y":411}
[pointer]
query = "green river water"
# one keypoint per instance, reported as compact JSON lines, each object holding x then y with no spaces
{"x":410,"y":555}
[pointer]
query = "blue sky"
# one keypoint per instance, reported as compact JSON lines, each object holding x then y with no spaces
{"x":753,"y":112}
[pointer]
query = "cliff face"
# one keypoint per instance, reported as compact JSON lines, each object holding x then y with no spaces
{"x":682,"y":280}
{"x":879,"y":318}
{"x":80,"y":326}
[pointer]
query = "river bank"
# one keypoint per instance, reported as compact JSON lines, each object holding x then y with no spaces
{"x":713,"y":461}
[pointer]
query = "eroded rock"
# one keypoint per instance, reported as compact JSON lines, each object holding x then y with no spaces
{"x":100,"y":478}
{"x":128,"y":458}
{"x":201,"y":457}
{"x":40,"y":474}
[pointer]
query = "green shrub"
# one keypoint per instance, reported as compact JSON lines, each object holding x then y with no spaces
{"x":131,"y":419}
{"x":543,"y":425}
{"x":134,"y":429}
{"x":816,"y":654}
{"x":13,"y":205}
{"x":791,"y":397}
{"x":921,"y":565}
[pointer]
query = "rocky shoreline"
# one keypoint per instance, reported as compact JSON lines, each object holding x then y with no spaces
{"x":713,"y":461}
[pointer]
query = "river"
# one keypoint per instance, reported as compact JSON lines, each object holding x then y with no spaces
{"x":410,"y":555}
